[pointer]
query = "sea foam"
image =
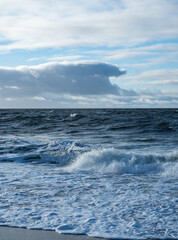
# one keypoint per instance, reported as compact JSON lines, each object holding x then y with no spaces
{"x":113,"y":160}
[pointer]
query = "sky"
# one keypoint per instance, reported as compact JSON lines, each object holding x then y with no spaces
{"x":88,"y":54}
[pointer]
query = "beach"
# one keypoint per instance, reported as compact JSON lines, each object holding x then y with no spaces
{"x":14,"y":233}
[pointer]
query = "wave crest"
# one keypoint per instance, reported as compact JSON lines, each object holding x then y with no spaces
{"x":74,"y":156}
{"x":112,"y":160}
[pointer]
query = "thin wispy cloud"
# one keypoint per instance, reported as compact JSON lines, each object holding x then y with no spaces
{"x":39,"y":98}
{"x":155,"y":83}
{"x":154,"y":75}
{"x":11,"y":87}
{"x":29,"y":24}
{"x":150,"y":51}
{"x":57,"y":58}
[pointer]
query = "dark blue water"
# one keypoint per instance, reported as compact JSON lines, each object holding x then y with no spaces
{"x":141,"y":129}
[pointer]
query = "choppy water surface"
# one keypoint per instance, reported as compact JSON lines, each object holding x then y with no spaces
{"x":107,"y":173}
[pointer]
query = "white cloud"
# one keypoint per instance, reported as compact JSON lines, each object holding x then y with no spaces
{"x":12,"y":87}
{"x":157,"y":83}
{"x":29,"y":24}
{"x":127,"y":53}
{"x":11,"y":99}
{"x":170,"y":92}
{"x":155,"y":77}
{"x":92,"y":101}
{"x":57,"y":58}
{"x":39,"y":98}
{"x":143,"y":57}
{"x":155,"y":102}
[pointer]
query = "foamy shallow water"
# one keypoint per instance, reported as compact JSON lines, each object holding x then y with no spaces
{"x":97,"y":203}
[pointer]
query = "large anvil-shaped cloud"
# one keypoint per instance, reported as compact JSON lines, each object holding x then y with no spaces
{"x":80,"y":78}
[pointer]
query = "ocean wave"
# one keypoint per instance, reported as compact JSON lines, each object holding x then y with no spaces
{"x":115,"y":161}
{"x":72,"y":115}
{"x":59,"y":152}
{"x":74,"y":156}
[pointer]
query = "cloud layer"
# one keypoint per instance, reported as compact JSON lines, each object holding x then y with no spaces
{"x":82,"y":78}
{"x":30,"y":24}
{"x":80,"y":84}
{"x":140,"y":35}
{"x":160,"y":78}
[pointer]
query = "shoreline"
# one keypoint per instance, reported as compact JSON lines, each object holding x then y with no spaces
{"x":20,"y":233}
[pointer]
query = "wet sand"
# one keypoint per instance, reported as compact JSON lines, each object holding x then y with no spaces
{"x":13,"y":233}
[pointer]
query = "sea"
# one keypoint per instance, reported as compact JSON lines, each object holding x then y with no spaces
{"x":110,"y":173}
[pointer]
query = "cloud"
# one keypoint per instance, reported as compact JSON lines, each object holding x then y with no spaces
{"x":154,"y":50}
{"x":11,"y":99}
{"x":91,"y":101}
{"x":57,"y":58}
{"x":79,"y":78}
{"x":82,"y":84}
{"x":11,"y":87}
{"x":157,"y":83}
{"x":39,"y":98}
{"x":170,"y":92}
{"x":158,"y":77}
{"x":30,"y":24}
{"x":155,"y":102}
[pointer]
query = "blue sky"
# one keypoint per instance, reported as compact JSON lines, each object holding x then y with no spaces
{"x":97,"y":53}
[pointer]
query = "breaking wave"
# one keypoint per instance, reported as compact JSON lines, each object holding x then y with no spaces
{"x":74,"y":156}
{"x":112,"y":160}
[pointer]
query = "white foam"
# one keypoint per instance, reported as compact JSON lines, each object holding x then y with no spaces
{"x":93,"y":203}
{"x":113,"y":160}
{"x":72,"y":115}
